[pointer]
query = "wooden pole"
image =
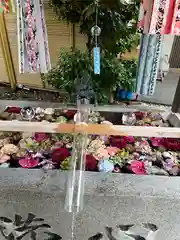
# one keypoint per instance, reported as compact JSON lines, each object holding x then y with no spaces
{"x":176,"y":101}
{"x":6,"y":51}
{"x":96,"y":129}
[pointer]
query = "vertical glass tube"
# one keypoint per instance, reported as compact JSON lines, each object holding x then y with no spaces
{"x":74,"y":199}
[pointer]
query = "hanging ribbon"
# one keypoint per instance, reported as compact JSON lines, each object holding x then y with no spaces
{"x":145,"y":15}
{"x":159,"y":17}
{"x":32,"y":37}
{"x":149,"y":59}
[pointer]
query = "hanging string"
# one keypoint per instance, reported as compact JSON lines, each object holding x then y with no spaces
{"x":96,"y":22}
{"x":96,"y":50}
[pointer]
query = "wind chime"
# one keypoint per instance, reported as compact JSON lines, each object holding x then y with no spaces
{"x":96,"y":31}
{"x":156,"y":18}
{"x":32,"y":37}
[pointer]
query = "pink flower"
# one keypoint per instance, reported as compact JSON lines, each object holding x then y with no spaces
{"x":28,"y":162}
{"x":112,"y":150}
{"x":102,"y":153}
{"x":156,"y":142}
{"x":38,"y":137}
{"x":129,"y":139}
{"x":137,"y":167}
{"x":91,"y":163}
{"x":59,"y":154}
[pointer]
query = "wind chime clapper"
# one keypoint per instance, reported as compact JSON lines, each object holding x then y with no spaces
{"x":74,"y":199}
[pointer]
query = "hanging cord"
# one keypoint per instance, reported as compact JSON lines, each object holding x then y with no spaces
{"x":96,"y":23}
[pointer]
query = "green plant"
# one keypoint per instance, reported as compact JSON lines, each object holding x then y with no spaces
{"x":67,"y":73}
{"x":68,"y":69}
{"x":117,"y":20}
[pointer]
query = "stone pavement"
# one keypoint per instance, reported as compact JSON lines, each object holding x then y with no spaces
{"x":110,"y":199}
{"x":164,"y":92}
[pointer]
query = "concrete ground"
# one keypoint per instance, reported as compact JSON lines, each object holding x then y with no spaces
{"x":109,"y":200}
{"x":164,"y":93}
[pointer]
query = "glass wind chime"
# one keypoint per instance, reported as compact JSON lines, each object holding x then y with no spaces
{"x":156,"y":18}
{"x":96,"y":31}
{"x":33,"y":48}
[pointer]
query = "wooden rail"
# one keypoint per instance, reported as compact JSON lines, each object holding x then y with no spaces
{"x":98,"y":129}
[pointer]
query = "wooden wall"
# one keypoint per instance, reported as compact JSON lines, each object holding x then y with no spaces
{"x":59,"y":36}
{"x":3,"y":71}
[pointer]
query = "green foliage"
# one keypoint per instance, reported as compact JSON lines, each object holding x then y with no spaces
{"x":66,"y":74}
{"x":117,"y":20}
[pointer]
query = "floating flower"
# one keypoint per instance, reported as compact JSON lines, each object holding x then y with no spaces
{"x":28,"y":162}
{"x":49,"y":111}
{"x":14,"y":110}
{"x":59,"y":154}
{"x":9,"y":149}
{"x":70,"y":114}
{"x":105,"y":166}
{"x":117,"y":169}
{"x":118,"y":142}
{"x":156,"y":142}
{"x":112,"y":150}
{"x":129,"y":139}
{"x":61,"y":119}
{"x":91,"y":163}
{"x":39,"y":137}
{"x":101,"y":153}
{"x":4,"y":165}
{"x":137,"y":167}
{"x":65,"y":165}
{"x":139,"y":115}
{"x":4,"y":158}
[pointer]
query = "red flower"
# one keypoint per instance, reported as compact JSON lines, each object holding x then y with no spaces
{"x":60,"y":154}
{"x":137,"y":167}
{"x":139,"y":115}
{"x":14,"y":110}
{"x":38,"y":137}
{"x":118,"y":142}
{"x":172,"y":144}
{"x":70,"y":114}
{"x":91,"y":163}
{"x":129,"y":139}
{"x":156,"y":142}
